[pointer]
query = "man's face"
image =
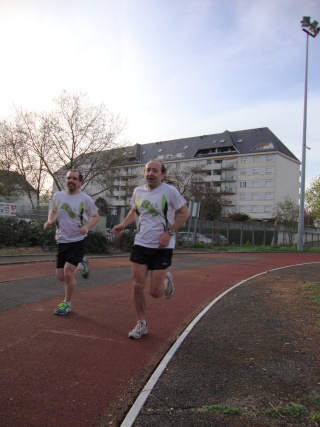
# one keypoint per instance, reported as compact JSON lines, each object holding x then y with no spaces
{"x":153,"y":174}
{"x":73,"y":183}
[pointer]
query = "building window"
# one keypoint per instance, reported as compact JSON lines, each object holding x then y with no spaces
{"x":242,"y":196}
{"x":265,"y":146}
{"x":269,"y":171}
{"x":243,"y":184}
{"x":255,"y":171}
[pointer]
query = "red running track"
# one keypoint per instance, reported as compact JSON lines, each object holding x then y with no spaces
{"x":75,"y":370}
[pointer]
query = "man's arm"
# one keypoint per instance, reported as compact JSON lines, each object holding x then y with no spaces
{"x":182,"y":218}
{"x":93,"y":221}
{"x":127,"y":221}
{"x":52,"y":217}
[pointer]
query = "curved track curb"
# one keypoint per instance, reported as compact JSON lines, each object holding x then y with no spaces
{"x":144,"y":394}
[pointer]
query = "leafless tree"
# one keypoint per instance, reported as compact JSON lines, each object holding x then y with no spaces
{"x":287,"y":214}
{"x":75,"y":134}
{"x":82,"y":136}
{"x":17,"y":157}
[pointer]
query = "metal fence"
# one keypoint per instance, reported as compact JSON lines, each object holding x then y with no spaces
{"x":248,"y":232}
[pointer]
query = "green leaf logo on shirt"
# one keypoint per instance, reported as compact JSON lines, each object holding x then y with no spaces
{"x":147,"y":205}
{"x":67,"y":208}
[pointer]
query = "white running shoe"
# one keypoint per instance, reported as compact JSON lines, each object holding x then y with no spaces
{"x":170,"y":288}
{"x":139,"y":330}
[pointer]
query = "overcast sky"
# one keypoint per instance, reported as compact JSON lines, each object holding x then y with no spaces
{"x":171,"y":68}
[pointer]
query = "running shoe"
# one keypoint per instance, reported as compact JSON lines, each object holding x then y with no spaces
{"x":85,"y":271}
{"x":139,"y":330}
{"x":170,"y":287}
{"x":63,"y":308}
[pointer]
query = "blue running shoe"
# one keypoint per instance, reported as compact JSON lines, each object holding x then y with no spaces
{"x":85,"y":271}
{"x":63,"y":308}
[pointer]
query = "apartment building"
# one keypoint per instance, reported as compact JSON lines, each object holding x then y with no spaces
{"x":252,"y":169}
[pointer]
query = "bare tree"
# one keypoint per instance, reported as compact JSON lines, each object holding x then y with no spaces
{"x":182,"y":179}
{"x":17,"y":157}
{"x":82,"y":135}
{"x":287,"y":214}
{"x":76,"y":134}
{"x":191,"y":184}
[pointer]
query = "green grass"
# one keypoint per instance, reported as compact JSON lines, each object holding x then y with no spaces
{"x":223,"y":409}
{"x":247,"y":248}
{"x":292,"y":410}
{"x":315,"y":416}
{"x":295,"y":410}
{"x":312,"y":290}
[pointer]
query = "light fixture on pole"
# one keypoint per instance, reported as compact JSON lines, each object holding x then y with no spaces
{"x":311,"y":29}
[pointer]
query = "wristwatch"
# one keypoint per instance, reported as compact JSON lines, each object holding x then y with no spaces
{"x":171,"y":232}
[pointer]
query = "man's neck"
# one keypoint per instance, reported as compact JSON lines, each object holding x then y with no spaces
{"x":73,"y":193}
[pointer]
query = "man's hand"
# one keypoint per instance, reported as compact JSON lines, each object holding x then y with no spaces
{"x":164,"y":240}
{"x":117,"y":229}
{"x":47,"y":225}
{"x":84,"y":230}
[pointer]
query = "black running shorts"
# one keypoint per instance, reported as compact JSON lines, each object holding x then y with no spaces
{"x":72,"y":253}
{"x":155,"y":259}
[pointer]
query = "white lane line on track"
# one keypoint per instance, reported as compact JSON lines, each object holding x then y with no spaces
{"x":141,"y":399}
{"x":77,"y":334}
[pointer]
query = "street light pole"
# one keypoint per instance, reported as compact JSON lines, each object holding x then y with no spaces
{"x":311,"y":29}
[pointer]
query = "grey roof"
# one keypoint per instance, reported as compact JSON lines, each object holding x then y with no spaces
{"x":240,"y":142}
{"x":15,"y":180}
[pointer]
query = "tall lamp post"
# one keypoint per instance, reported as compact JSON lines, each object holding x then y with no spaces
{"x":311,"y":29}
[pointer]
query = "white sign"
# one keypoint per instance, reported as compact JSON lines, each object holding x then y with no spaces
{"x":194,"y":209}
{"x":8,"y":209}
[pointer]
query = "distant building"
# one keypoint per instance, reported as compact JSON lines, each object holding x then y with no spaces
{"x":17,"y":196}
{"x":252,"y":168}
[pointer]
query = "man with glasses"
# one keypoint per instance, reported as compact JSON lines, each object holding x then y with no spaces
{"x":74,"y":213}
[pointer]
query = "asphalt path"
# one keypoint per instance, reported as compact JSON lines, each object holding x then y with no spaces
{"x":81,"y":369}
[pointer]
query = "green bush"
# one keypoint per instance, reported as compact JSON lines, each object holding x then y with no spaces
{"x":125,"y":241}
{"x":20,"y":232}
{"x":23,"y":233}
{"x":97,"y":243}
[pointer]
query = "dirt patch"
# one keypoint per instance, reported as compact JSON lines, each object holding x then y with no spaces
{"x":252,"y":361}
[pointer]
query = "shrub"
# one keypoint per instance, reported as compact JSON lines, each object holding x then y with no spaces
{"x":97,"y":243}
{"x":20,"y":232}
{"x":125,"y":241}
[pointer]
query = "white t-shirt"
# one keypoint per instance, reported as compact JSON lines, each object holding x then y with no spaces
{"x":155,"y":211}
{"x":74,"y":211}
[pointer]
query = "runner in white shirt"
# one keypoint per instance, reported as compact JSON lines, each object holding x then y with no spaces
{"x":75,"y":213}
{"x":153,"y":207}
